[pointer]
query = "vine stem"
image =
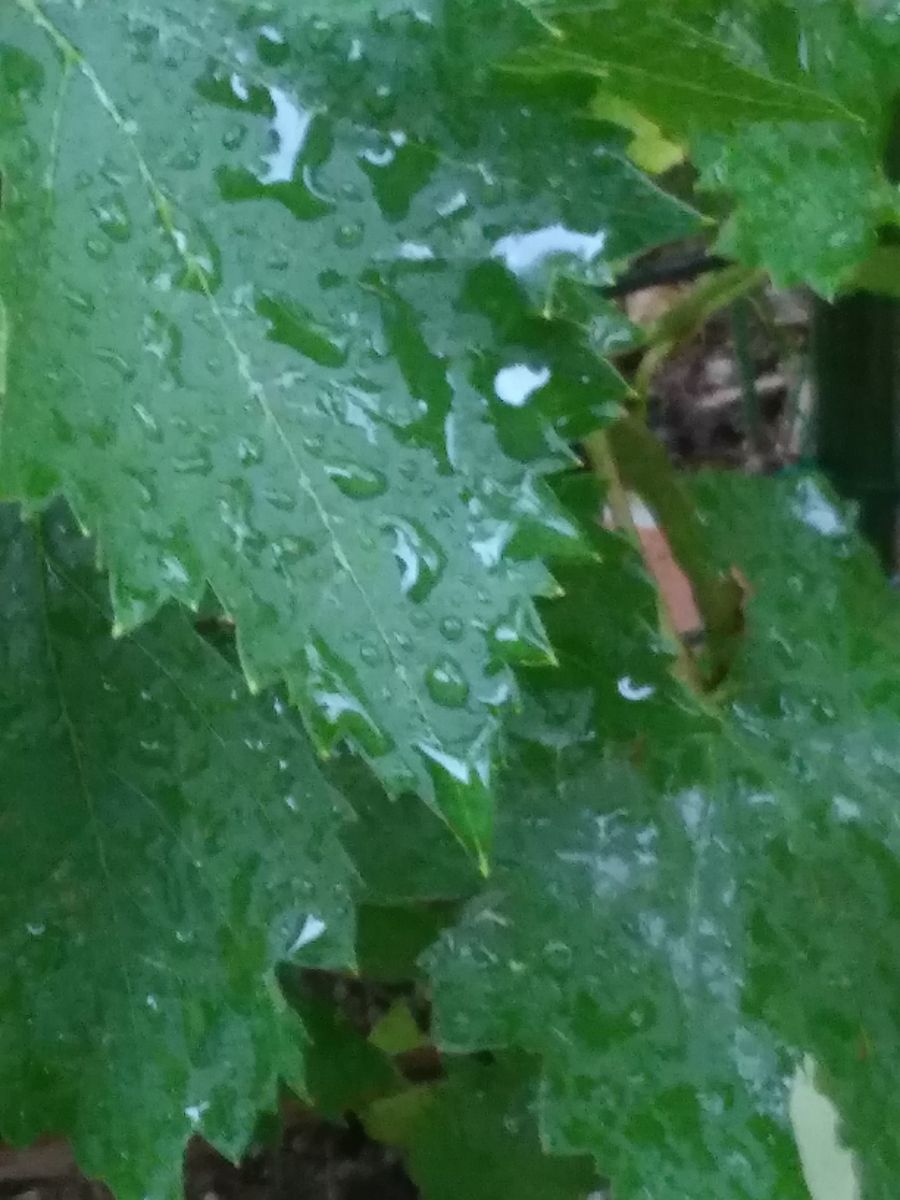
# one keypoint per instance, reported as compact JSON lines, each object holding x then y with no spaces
{"x":602,"y":458}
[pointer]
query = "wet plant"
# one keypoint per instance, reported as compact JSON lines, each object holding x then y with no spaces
{"x":324,"y":655}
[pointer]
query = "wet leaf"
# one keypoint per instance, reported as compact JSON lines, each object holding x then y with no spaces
{"x":489,"y":1109}
{"x":364,"y":9}
{"x":166,"y":841}
{"x":402,"y":851}
{"x":344,"y":1071}
{"x":693,"y":904}
{"x":785,"y":105}
{"x":260,"y":286}
{"x":391,"y":938}
{"x":778,"y":179}
{"x":642,"y":57}
{"x":414,"y":874}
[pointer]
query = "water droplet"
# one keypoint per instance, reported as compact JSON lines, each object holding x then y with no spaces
{"x":283,"y":501}
{"x":338,"y":711}
{"x":81,"y":302}
{"x":490,"y":548}
{"x":293,"y":549}
{"x":629,"y":690}
{"x":186,"y":159}
{"x":148,"y":421}
{"x":814,"y":509}
{"x":520,"y":637}
{"x":455,"y":768}
{"x":114,"y":219}
{"x":515,"y":385}
{"x":351,"y":191}
{"x":122,"y":368}
{"x":382,"y":102}
{"x":292,"y":325}
{"x":239,"y":88}
{"x":97,"y":248}
{"x":419,"y":556}
{"x":250,"y":451}
{"x":271,"y":46}
{"x":290,"y":127}
{"x":370,"y":654}
{"x":558,"y":955}
{"x":234,"y":136}
{"x":447,"y":685}
{"x":845,"y":809}
{"x":452,"y":628}
{"x":416,"y":252}
{"x":455,"y":204}
{"x":357,"y":482}
{"x":525,"y":253}
{"x":349,"y":235}
{"x":197,"y":463}
{"x":313,"y":928}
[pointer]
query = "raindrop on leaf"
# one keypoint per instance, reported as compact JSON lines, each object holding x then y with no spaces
{"x":357,"y":482}
{"x":447,"y":685}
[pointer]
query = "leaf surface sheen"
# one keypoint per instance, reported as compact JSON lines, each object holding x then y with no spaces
{"x":269,"y":305}
{"x":690,"y":904}
{"x":166,"y":842}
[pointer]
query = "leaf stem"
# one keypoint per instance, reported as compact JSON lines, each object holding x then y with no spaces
{"x":686,"y":319}
{"x":600,"y":451}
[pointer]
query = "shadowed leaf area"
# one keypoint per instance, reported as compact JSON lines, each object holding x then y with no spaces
{"x":166,"y":841}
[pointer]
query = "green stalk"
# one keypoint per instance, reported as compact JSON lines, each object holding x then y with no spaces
{"x":856,"y":356}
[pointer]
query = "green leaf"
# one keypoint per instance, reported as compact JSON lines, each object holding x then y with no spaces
{"x":344,"y":1071}
{"x":880,"y":272}
{"x":413,"y":873}
{"x":692,"y":903}
{"x":403,"y":852}
{"x":486,"y":1109}
{"x":818,"y":691}
{"x":166,"y":841}
{"x":398,"y":1031}
{"x":808,"y":201}
{"x":391,"y":938}
{"x":269,"y":326}
{"x":785,"y":106}
{"x":674,"y":64}
{"x":366,"y":8}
